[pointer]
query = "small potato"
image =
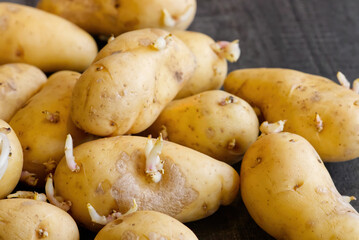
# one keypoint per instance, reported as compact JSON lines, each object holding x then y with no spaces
{"x":323,"y":112}
{"x":11,"y":163}
{"x":130,"y":82}
{"x":42,"y":125}
{"x":47,"y":41}
{"x":31,"y":219}
{"x":115,"y":17}
{"x":215,"y":123}
{"x":290,"y":194}
{"x":174,"y":180}
{"x":144,"y":225}
{"x":18,"y":82}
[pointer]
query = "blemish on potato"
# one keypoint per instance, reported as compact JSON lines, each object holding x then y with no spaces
{"x":99,"y":68}
{"x":52,"y":117}
{"x":179,"y":76}
{"x":129,"y":235}
{"x":356,"y":103}
{"x":292,"y":140}
{"x":42,"y":233}
{"x":298,"y":185}
{"x":118,"y":221}
{"x":132,"y":23}
{"x":227,"y":100}
{"x":19,"y":52}
{"x":210,"y":132}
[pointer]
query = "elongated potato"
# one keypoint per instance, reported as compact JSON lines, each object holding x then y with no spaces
{"x":18,"y":82}
{"x":47,"y":41}
{"x":42,"y":125}
{"x":290,"y":194}
{"x":11,"y":161}
{"x":130,"y":82}
{"x":143,"y":225}
{"x":115,"y":17}
{"x":324,"y":113}
{"x":31,"y":219}
{"x":215,"y":123}
{"x":114,"y":172}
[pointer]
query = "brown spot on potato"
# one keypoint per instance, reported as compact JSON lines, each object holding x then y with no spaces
{"x":210,"y":132}
{"x":315,"y":97}
{"x":292,"y":140}
{"x":52,"y":117}
{"x":117,"y":221}
{"x":179,"y":76}
{"x":298,"y":185}
{"x":356,"y":103}
{"x":27,"y":148}
{"x":132,"y":23}
{"x":99,"y":68}
{"x":19,"y":52}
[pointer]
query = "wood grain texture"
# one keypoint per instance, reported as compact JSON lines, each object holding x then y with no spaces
{"x":318,"y":37}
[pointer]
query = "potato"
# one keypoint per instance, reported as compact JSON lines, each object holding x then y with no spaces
{"x":211,"y":67}
{"x":47,"y":41}
{"x":290,"y":194}
{"x":215,"y":123}
{"x":18,"y":82}
{"x":116,"y":17}
{"x":114,"y":172}
{"x":324,"y":113}
{"x":12,"y":165}
{"x":31,"y":219}
{"x":130,"y":82}
{"x":143,"y":225}
{"x":42,"y":125}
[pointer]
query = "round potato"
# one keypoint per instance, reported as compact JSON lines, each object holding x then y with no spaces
{"x":143,"y":225}
{"x":18,"y":82}
{"x":118,"y":170}
{"x":290,"y":194}
{"x":43,"y":124}
{"x":10,"y":165}
{"x":215,"y":123}
{"x":130,"y":82}
{"x":31,"y":219}
{"x":115,"y":17}
{"x":323,"y":112}
{"x":47,"y":41}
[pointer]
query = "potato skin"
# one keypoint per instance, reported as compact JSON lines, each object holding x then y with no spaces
{"x":125,"y":90}
{"x":207,"y":123}
{"x":115,"y":17}
{"x":18,"y":82}
{"x":211,"y":68}
{"x":47,"y":41}
{"x":113,"y":174}
{"x":146,"y":225}
{"x":290,"y":194}
{"x":283,"y":94}
{"x":13,"y":172}
{"x":42,"y":125}
{"x":26,"y":218}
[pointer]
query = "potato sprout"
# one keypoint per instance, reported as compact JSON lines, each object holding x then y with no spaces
{"x":228,"y":50}
{"x":171,"y":21}
{"x":154,"y":165}
{"x":29,"y":195}
{"x":69,"y":155}
{"x":55,"y":200}
{"x":5,"y":152}
{"x":267,"y":128}
{"x":29,"y":178}
{"x":343,"y":80}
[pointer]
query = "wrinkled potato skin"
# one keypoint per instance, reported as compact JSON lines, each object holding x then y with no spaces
{"x":290,"y":194}
{"x":283,"y":94}
{"x":28,"y":35}
{"x":23,"y":219}
{"x":113,"y":174}
{"x":206,"y":123}
{"x":130,"y":83}
{"x":144,"y":225}
{"x":18,"y":82}
{"x":211,"y":69}
{"x":13,"y":172}
{"x":43,"y":137}
{"x":115,"y":17}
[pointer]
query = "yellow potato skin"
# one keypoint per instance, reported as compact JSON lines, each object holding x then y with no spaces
{"x":43,"y":124}
{"x":13,"y":172}
{"x":207,"y":123}
{"x":211,"y":68}
{"x":18,"y":82}
{"x":26,"y":218}
{"x":144,"y":225}
{"x":130,"y":82}
{"x":47,"y":41}
{"x":113,"y":174}
{"x":116,"y":17}
{"x":283,"y":94}
{"x":290,"y":194}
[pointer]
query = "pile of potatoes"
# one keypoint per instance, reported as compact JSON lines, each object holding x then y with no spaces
{"x":137,"y":139}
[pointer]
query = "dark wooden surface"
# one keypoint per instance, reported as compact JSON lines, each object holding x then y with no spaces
{"x":318,"y":37}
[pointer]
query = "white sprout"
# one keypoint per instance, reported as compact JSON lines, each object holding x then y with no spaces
{"x":5,"y":152}
{"x":154,"y":165}
{"x":168,"y":20}
{"x":356,"y":85}
{"x":30,"y":195}
{"x":97,"y":218}
{"x":343,"y":80}
{"x":29,"y":178}
{"x":42,"y":233}
{"x":55,"y":200}
{"x":184,"y":17}
{"x":318,"y":122}
{"x":348,"y":199}
{"x":69,"y":155}
{"x":160,"y":43}
{"x":267,"y":128}
{"x":228,"y":50}
{"x":111,"y":38}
